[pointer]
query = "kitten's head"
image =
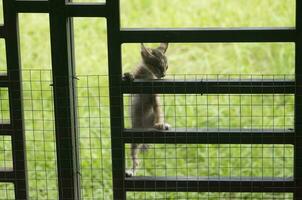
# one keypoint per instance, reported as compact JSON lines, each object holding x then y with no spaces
{"x":155,"y":59}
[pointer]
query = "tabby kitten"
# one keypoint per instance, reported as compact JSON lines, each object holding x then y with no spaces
{"x":145,"y":108}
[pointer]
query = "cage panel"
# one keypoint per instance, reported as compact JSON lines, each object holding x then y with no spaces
{"x":234,"y":114}
{"x":94,"y":126}
{"x":93,"y":115}
{"x":208,"y":195}
{"x":218,"y":130}
{"x":94,"y":136}
{"x":223,"y":112}
{"x":40,"y":134}
{"x":4,"y":106}
{"x":6,"y":157}
{"x":7,"y":191}
{"x":219,"y":161}
{"x":19,"y":173}
{"x":38,"y":103}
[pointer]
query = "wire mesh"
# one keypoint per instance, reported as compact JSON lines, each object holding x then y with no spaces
{"x":187,"y":113}
{"x":7,"y":191}
{"x":214,"y":113}
{"x":6,"y":153}
{"x":209,"y":195}
{"x":94,"y":137}
{"x":4,"y":106}
{"x":40,"y":134}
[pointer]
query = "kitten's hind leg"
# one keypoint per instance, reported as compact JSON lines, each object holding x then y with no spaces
{"x":158,"y":115}
{"x":135,"y":161}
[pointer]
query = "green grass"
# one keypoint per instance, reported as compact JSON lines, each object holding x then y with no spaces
{"x":194,"y":111}
{"x":210,"y":13}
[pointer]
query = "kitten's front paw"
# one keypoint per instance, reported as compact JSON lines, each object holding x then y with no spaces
{"x":129,"y":173}
{"x":128,"y":76}
{"x":162,"y":126}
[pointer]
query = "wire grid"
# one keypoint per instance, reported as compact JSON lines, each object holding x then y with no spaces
{"x":4,"y":106}
{"x":241,"y":112}
{"x":6,"y":159}
{"x":7,"y":191}
{"x":6,"y":156}
{"x":6,"y":164}
{"x":182,"y":111}
{"x":40,"y":134}
{"x":208,"y":196}
{"x":94,"y":136}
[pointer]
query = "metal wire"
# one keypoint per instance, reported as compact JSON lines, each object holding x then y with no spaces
{"x":187,"y":113}
{"x":220,"y":112}
{"x":40,"y":134}
{"x":94,"y":137}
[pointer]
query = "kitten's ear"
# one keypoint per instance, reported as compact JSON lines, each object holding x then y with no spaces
{"x":145,"y":51}
{"x":163,"y":47}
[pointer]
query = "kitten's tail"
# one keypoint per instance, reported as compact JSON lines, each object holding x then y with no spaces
{"x":144,"y":147}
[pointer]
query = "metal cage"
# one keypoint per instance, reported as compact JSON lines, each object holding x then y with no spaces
{"x":64,"y":84}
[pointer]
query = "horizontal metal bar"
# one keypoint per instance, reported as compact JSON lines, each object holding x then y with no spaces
{"x":210,"y":136}
{"x":209,"y":86}
{"x":72,"y":9}
{"x":2,"y":31}
{"x":286,"y":34}
{"x":29,"y":6}
{"x":7,"y":175}
{"x":209,"y":184}
{"x":86,"y":10}
{"x":3,"y":80}
{"x":5,"y":128}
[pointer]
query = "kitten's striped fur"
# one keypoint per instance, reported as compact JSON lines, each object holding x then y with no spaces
{"x":145,"y":108}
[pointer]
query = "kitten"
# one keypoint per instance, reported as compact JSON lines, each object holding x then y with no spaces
{"x":145,"y":108}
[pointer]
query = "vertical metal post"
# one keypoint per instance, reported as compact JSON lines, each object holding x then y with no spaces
{"x":298,"y":102}
{"x":64,"y":101}
{"x":116,"y":99}
{"x":15,"y":98}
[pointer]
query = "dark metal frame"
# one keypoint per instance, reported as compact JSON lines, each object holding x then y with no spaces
{"x":15,"y":127}
{"x":61,"y":26}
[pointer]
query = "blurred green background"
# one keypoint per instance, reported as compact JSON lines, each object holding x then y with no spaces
{"x":191,"y":111}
